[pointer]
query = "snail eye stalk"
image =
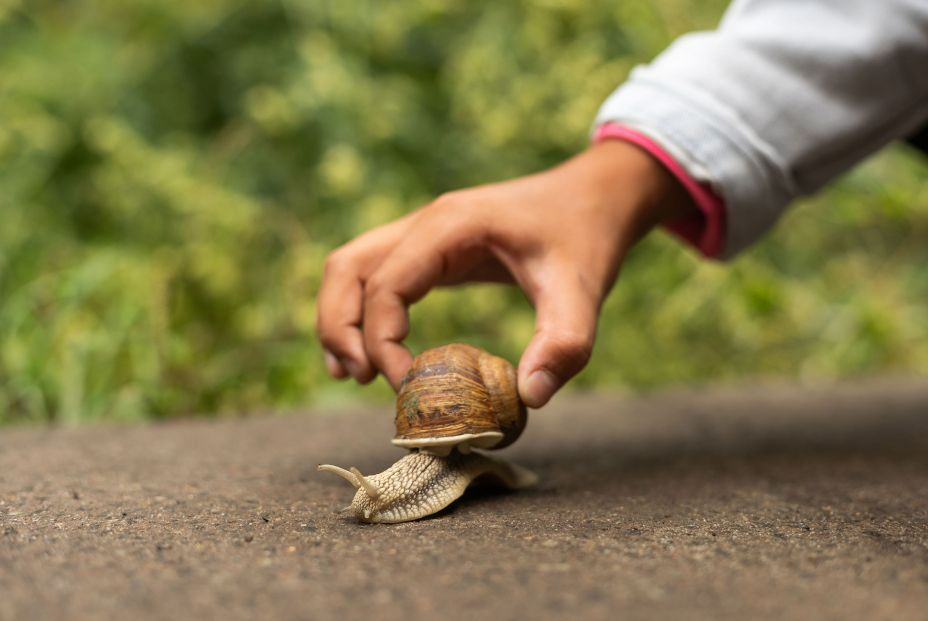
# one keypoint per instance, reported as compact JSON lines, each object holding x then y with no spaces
{"x":369,"y":487}
{"x":348,"y":476}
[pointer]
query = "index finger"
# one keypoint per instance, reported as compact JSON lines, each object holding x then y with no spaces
{"x":339,"y":310}
{"x":429,"y":253}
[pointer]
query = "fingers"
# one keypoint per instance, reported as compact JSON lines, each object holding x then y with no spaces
{"x":565,"y":330}
{"x":339,"y":320}
{"x":334,"y":366}
{"x":339,"y":305}
{"x":436,"y":250}
{"x":369,"y":284}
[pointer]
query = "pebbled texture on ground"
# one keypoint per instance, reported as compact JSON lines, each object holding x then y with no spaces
{"x":761,"y":502}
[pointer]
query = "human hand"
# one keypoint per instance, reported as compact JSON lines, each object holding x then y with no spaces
{"x":560,"y":235}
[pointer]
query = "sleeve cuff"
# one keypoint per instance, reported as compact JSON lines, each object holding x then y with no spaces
{"x":705,"y":231}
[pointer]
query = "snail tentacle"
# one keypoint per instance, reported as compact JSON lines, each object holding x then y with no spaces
{"x":369,"y":487}
{"x":345,"y":474}
{"x":421,"y":484}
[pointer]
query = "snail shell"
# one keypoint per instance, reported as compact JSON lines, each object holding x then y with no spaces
{"x":458,"y":396}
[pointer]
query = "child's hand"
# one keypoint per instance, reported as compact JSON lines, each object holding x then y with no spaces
{"x":560,"y":235}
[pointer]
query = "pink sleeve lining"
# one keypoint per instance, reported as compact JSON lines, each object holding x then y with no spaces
{"x":706,"y":232}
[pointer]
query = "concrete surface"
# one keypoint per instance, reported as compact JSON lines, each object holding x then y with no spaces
{"x":750,"y":503}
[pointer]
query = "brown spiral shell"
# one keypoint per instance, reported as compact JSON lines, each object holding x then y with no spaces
{"x":458,"y":396}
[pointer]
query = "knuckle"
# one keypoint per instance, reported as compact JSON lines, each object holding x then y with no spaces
{"x":574,"y":348}
{"x":449,"y":201}
{"x":454,"y":207}
{"x":327,"y":338}
{"x":456,"y":214}
{"x":337,"y":261}
{"x":332,"y":336}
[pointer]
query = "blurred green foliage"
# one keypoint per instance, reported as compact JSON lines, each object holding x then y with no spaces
{"x":173,"y":174}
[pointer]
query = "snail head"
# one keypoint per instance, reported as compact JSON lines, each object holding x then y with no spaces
{"x":364,"y":506}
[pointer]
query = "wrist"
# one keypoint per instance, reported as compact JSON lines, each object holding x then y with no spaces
{"x":634,"y":184}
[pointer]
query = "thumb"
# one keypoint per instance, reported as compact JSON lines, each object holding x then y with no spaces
{"x":565,"y":330}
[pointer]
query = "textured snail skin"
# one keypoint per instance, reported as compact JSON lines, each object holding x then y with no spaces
{"x":421,"y":484}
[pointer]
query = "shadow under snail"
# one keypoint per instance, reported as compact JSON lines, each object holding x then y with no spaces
{"x":454,"y":399}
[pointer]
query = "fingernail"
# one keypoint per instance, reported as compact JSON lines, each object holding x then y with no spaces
{"x":539,"y":387}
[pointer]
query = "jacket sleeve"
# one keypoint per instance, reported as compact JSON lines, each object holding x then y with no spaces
{"x":784,"y":96}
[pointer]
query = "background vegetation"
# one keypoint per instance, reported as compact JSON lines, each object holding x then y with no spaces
{"x":172,"y":175}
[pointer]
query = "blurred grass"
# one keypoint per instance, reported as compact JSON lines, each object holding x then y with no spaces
{"x":172,"y":176}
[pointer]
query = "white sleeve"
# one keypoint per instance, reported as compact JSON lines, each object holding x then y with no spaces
{"x":781,"y":98}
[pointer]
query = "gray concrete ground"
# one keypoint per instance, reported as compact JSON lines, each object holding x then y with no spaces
{"x":747,"y":503}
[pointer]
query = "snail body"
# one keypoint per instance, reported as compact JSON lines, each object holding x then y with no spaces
{"x":421,"y":484}
{"x":453,"y":399}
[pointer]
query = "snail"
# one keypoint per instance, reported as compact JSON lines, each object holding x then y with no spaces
{"x":454,"y":399}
